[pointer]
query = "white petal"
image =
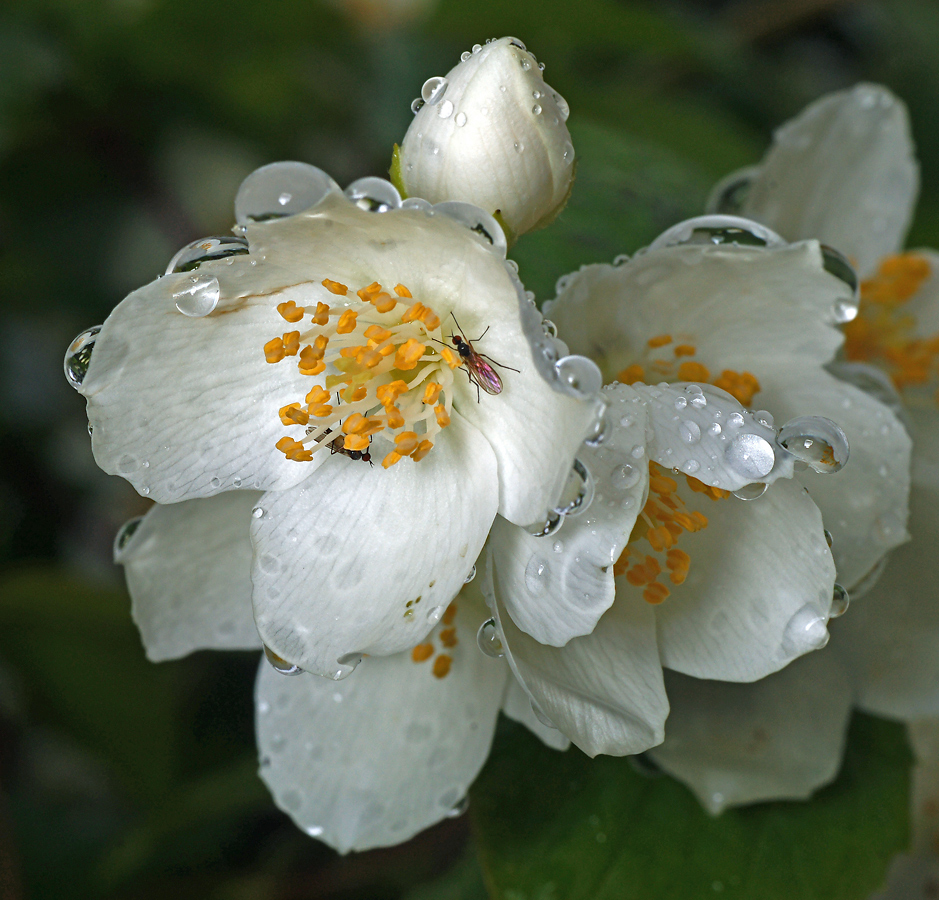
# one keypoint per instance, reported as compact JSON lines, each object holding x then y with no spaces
{"x":911,"y":878}
{"x":843,"y":172}
{"x":728,"y":302}
{"x":604,"y":691}
{"x":361,"y":559}
{"x":517,"y":707}
{"x":188,"y":569}
{"x":864,"y":506}
{"x":758,"y":592}
{"x":556,"y":588}
{"x":779,"y":738}
{"x":374,"y":759}
{"x":494,"y":135}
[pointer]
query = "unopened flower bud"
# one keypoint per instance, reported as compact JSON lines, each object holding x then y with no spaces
{"x":491,"y":133}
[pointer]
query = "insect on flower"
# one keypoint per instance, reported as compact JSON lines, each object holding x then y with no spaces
{"x":478,"y":370}
{"x":337,"y":445}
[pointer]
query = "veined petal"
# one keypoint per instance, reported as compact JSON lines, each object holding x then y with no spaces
{"x":517,"y":706}
{"x":604,"y":691}
{"x":843,"y":172}
{"x":373,"y":759}
{"x":188,"y":569}
{"x":721,"y":301}
{"x":557,"y":587}
{"x":364,"y":560}
{"x":758,"y":591}
{"x":779,"y":738}
{"x":864,"y":506}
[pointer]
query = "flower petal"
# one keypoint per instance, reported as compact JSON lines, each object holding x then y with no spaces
{"x":779,"y":738}
{"x":843,"y":172}
{"x":604,"y":691}
{"x":188,"y":569}
{"x":517,"y":707}
{"x":912,"y":877}
{"x":556,"y":588}
{"x":758,"y":592}
{"x":361,"y":559}
{"x":723,"y":300}
{"x":373,"y":759}
{"x":864,"y":506}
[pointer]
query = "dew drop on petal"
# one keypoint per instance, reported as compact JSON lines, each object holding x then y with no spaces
{"x":458,"y":808}
{"x":750,"y":456}
{"x":488,"y":230}
{"x":78,"y":356}
{"x":434,"y":615}
{"x":206,"y":250}
{"x":752,"y":491}
{"x":625,"y":476}
{"x":445,"y":109}
{"x":558,"y":547}
{"x":460,"y":119}
{"x":124,"y":534}
{"x":488,"y":641}
{"x":279,"y":664}
{"x":416,"y":104}
{"x":837,"y":264}
{"x":373,"y":194}
{"x":681,"y":403}
{"x":470,"y":576}
{"x":817,"y":441}
{"x":260,"y":195}
{"x":690,"y":466}
{"x":578,"y":491}
{"x":601,"y":430}
{"x":828,"y":538}
{"x":551,"y":525}
{"x":718,"y":229}
{"x":433,"y":89}
{"x":839,"y":602}
{"x":805,"y":631}
{"x":535,"y":573}
{"x":578,"y":376}
{"x":198,"y":295}
{"x":690,"y":432}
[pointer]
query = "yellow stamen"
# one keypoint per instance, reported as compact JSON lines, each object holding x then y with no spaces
{"x":335,"y":287}
{"x":660,"y":340}
{"x":422,"y":652}
{"x":290,"y":311}
{"x":442,"y":666}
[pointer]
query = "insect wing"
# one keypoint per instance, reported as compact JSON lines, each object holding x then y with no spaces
{"x":483,"y":374}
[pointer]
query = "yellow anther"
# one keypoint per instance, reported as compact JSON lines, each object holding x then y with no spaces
{"x":449,"y":615}
{"x":402,"y":291}
{"x":346,"y":322}
{"x":693,"y":371}
{"x":413,"y":312}
{"x":290,"y":311}
{"x":321,"y":316}
{"x":430,"y":319}
{"x":388,"y":393}
{"x":423,"y":449}
{"x":662,"y":484}
{"x":422,"y":652}
{"x":367,"y":293}
{"x":740,"y":385}
{"x":390,"y":460}
{"x":317,"y":395}
{"x":322,"y":411}
{"x":274,"y":350}
{"x":442,"y":666}
{"x":373,"y":424}
{"x":431,"y":393}
{"x":387,"y":349}
{"x":355,"y":424}
{"x":384,"y":302}
{"x":395,"y":419}
{"x":310,"y":366}
{"x":335,"y":287}
{"x":406,"y":443}
{"x":448,"y":637}
{"x":358,"y":394}
{"x":408,"y":355}
{"x":351,"y":352}
{"x":443,"y":419}
{"x":685,"y":350}
{"x":355,"y":442}
{"x":660,"y":340}
{"x":369,"y":358}
{"x":377,"y":333}
{"x":655,"y":593}
{"x":294,"y":414}
{"x":450,"y":358}
{"x":291,"y":343}
{"x":700,"y":518}
{"x":294,"y":450}
{"x":632,"y":374}
{"x":677,"y":559}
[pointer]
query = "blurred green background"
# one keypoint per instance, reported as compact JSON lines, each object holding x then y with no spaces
{"x":125,"y":129}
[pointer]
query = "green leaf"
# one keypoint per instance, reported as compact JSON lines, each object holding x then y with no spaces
{"x":559,"y":825}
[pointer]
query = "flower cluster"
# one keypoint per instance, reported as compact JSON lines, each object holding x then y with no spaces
{"x":374,"y":459}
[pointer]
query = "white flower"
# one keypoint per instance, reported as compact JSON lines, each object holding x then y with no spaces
{"x":843,"y":171}
{"x":752,"y":582}
{"x":317,"y":337}
{"x":491,"y":133}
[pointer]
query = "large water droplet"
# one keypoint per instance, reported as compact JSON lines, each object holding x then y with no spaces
{"x":470,"y":576}
{"x":839,"y":601}
{"x":730,"y":193}
{"x":730,"y":230}
{"x":78,"y":356}
{"x":488,"y":641}
{"x":281,"y":189}
{"x":817,"y":441}
{"x":752,"y":491}
{"x":480,"y":223}
{"x":578,"y":376}
{"x":373,"y":194}
{"x":805,"y":631}
{"x":690,"y":432}
{"x":837,"y":264}
{"x":445,"y":109}
{"x":205,"y":250}
{"x":124,"y":534}
{"x":460,"y":119}
{"x":601,"y":430}
{"x":433,"y":89}
{"x":551,"y":525}
{"x":458,"y":808}
{"x":351,"y":660}
{"x":535,"y":573}
{"x":198,"y":295}
{"x":578,"y":491}
{"x":750,"y":456}
{"x":279,"y":664}
{"x":564,"y":109}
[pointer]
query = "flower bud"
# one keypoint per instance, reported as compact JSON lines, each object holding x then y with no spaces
{"x":491,"y":133}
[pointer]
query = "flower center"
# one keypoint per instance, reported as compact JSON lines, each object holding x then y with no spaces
{"x":666,"y":360}
{"x":884,"y":331}
{"x":448,"y":640}
{"x":663,"y":520}
{"x":389,"y":373}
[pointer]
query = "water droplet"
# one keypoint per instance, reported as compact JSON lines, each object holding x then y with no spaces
{"x":558,"y":547}
{"x":480,"y":223}
{"x":258,"y":198}
{"x":470,"y":576}
{"x":837,"y":264}
{"x":373,"y":194}
{"x":735,"y":420}
{"x":124,"y":534}
{"x":805,"y":631}
{"x":416,"y":104}
{"x":729,"y":230}
{"x":730,"y":193}
{"x":280,"y":664}
{"x":477,"y":48}
{"x":519,"y":146}
{"x":78,"y":356}
{"x":551,"y":525}
{"x":465,"y":55}
{"x":714,"y":429}
{"x":817,"y":441}
{"x":434,"y":615}
{"x":690,"y":466}
{"x":198,"y":295}
{"x":624,"y":477}
{"x":488,"y":641}
{"x":206,"y":250}
{"x":460,"y":119}
{"x":578,"y":376}
{"x":351,"y":660}
{"x":681,"y":402}
{"x":578,"y":491}
{"x":458,"y":808}
{"x":535,"y":576}
{"x":433,"y":89}
{"x":750,"y":456}
{"x":690,"y":432}
{"x":549,"y":328}
{"x":314,"y":830}
{"x":568,"y":154}
{"x":257,"y":512}
{"x":445,"y":109}
{"x":637,"y":452}
{"x":601,"y":431}
{"x":91,"y":429}
{"x":525,"y":64}
{"x":536,"y":109}
{"x":752,"y":491}
{"x":764,"y":417}
{"x":828,"y":538}
{"x":839,"y":601}
{"x":564,"y":109}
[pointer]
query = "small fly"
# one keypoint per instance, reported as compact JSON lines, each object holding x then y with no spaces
{"x":478,"y":370}
{"x":337,"y":445}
